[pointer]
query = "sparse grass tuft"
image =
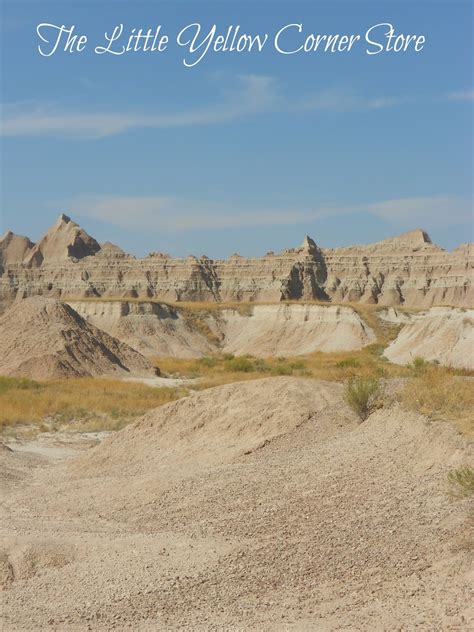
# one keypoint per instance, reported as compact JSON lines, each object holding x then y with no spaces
{"x":461,"y":481}
{"x":441,"y":393}
{"x":361,"y":394}
{"x":348,"y":362}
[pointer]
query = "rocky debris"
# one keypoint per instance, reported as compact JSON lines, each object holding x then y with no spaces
{"x":63,"y":241}
{"x":43,"y":338}
{"x":111,"y":251}
{"x":184,"y":521}
{"x":441,"y":335}
{"x":406,"y":270}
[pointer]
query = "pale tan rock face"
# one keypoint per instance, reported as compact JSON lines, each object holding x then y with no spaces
{"x":405,"y":270}
{"x":158,"y":330}
{"x":63,"y":241}
{"x":13,"y":249}
{"x":440,"y":334}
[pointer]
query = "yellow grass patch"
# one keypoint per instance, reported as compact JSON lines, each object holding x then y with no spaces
{"x":441,"y":393}
{"x":110,"y":403}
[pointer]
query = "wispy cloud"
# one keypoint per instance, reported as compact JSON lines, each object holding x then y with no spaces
{"x":174,"y":214}
{"x":462,"y":95}
{"x":250,"y":95}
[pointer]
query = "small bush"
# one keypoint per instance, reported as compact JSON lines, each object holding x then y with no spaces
{"x":208,"y":361}
{"x":419,"y":364}
{"x":242,"y":364}
{"x":298,"y":365}
{"x":20,"y":383}
{"x":348,"y":363}
{"x":462,"y":481}
{"x":361,"y":394}
{"x":261,"y":366}
{"x":282,"y":369}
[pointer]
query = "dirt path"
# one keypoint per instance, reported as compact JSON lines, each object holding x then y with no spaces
{"x":324,"y":524}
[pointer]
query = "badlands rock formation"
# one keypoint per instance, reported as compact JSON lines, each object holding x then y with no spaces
{"x":408,"y":270}
{"x":153,"y":329}
{"x":263,"y":330}
{"x":43,"y":338}
{"x":286,"y":330}
{"x":441,"y":334}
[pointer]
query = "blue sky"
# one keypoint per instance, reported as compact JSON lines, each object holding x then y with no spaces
{"x":243,"y":152}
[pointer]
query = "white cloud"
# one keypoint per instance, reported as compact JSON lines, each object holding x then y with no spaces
{"x":462,"y":95}
{"x":173,"y":214}
{"x":250,"y":95}
{"x":422,"y":210}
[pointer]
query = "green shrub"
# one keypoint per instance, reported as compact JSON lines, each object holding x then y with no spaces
{"x":348,"y":363}
{"x":282,"y":369}
{"x":208,"y":361}
{"x":298,"y":365}
{"x":242,"y":364}
{"x":261,"y":366}
{"x":21,"y":383}
{"x":419,"y":364}
{"x":361,"y":394}
{"x":462,"y":481}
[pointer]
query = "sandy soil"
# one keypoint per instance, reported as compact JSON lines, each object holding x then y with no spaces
{"x":262,"y":505}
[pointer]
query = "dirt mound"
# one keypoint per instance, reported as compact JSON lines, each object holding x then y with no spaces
{"x":183,"y":524}
{"x":43,"y":338}
{"x":213,"y":426}
{"x":441,"y":334}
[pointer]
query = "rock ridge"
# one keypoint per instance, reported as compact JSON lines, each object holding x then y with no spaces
{"x":407,"y":270}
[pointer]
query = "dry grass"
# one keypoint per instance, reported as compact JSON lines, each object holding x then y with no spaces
{"x":441,"y":393}
{"x":109,"y":404}
{"x":337,"y":366}
{"x":101,"y":403}
{"x":361,"y":394}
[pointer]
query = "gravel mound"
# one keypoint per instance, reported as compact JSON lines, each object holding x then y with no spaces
{"x":264,"y":505}
{"x":212,"y":427}
{"x":44,"y":338}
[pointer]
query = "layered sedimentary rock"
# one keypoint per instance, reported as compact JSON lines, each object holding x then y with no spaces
{"x":440,"y":334}
{"x":154,"y":329}
{"x":264,"y":330}
{"x":406,"y":270}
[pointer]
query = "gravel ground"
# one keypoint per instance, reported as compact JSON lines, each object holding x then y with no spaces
{"x":262,"y":505}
